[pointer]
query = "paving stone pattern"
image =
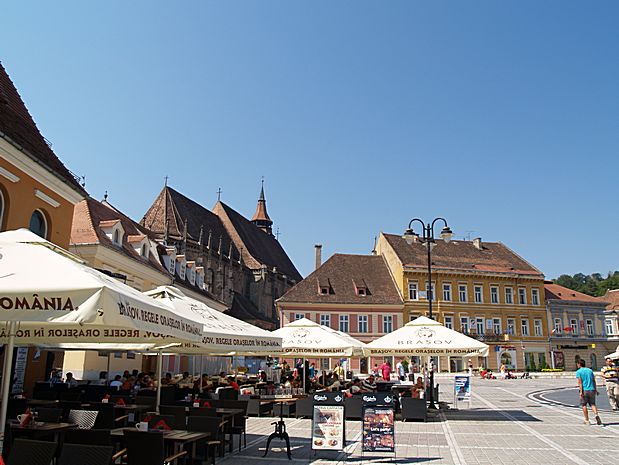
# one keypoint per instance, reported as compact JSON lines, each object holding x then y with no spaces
{"x":509,"y":422}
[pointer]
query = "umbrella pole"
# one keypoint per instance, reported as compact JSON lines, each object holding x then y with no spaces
{"x":159,"y":367}
{"x":303,"y":371}
{"x":107,"y":373}
{"x":201,"y":370}
{"x":6,"y":376}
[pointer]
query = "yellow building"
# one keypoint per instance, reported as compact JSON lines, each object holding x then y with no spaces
{"x":37,"y":192}
{"x":482,"y":289}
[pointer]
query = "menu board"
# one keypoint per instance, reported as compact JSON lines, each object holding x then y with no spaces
{"x":328,"y":427}
{"x":378,"y":429}
{"x":462,"y":387}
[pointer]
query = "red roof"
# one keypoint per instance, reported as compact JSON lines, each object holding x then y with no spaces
{"x":17,"y":124}
{"x":557,"y":292}
{"x":612,"y":297}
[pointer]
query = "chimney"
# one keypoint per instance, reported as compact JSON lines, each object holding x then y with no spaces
{"x":477,"y":243}
{"x":318,"y":251}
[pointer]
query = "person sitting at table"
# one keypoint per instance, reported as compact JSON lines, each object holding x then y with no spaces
{"x":117,"y":383}
{"x":166,"y":379}
{"x":147,"y":383}
{"x":417,"y":389}
{"x":335,"y":385}
{"x":368,"y":384}
{"x":102,"y":381}
{"x":126,"y":374}
{"x":356,"y":386}
{"x":206,"y":383}
{"x":71,"y":381}
{"x":233,"y":384}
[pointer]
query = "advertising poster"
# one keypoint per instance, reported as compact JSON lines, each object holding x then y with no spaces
{"x":328,"y":427}
{"x":378,"y":429}
{"x":463,"y":388}
{"x":559,"y":359}
{"x":20,"y":369}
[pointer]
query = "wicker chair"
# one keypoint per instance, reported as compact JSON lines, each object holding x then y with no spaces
{"x":29,"y":452}
{"x":147,"y":448}
{"x":84,"y":419}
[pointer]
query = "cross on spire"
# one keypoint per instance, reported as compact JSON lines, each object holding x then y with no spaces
{"x":165,"y":183}
{"x":219,"y":191}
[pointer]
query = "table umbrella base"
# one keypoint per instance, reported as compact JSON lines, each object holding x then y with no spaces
{"x":279,"y":433}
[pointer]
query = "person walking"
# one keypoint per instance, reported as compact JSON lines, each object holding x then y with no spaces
{"x":386,"y":370}
{"x":400,"y":369}
{"x":611,"y":378}
{"x":588,"y":391}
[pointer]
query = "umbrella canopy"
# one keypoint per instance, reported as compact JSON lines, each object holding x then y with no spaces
{"x":424,"y":336}
{"x":221,"y":333}
{"x":614,"y":355}
{"x":55,"y":298}
{"x":304,"y":338}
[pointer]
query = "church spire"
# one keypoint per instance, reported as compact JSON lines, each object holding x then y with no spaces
{"x":261,"y":217}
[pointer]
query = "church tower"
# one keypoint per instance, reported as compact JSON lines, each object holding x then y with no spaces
{"x":261,"y":217}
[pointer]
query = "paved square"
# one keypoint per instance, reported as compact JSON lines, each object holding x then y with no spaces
{"x":510,"y":422}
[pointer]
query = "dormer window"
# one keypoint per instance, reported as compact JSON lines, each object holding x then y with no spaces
{"x":113,"y":230}
{"x":140,"y":244}
{"x":324,"y":290}
{"x":361,"y":288}
{"x":191,"y":272}
{"x":181,"y":266}
{"x":324,"y":287}
{"x":361,"y":291}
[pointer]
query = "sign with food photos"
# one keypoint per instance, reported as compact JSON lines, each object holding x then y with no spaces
{"x":378,"y":429}
{"x":328,"y":427}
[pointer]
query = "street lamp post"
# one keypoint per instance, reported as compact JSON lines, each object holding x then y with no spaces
{"x":427,"y":239}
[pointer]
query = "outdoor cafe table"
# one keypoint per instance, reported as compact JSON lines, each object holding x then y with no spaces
{"x":38,"y":430}
{"x":178,"y":438}
{"x":280,"y":427}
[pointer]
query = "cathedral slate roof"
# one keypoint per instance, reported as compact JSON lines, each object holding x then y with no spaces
{"x":173,"y":207}
{"x":342,"y":274}
{"x":17,"y":124}
{"x":257,"y":246}
{"x":244,"y":309}
{"x":462,"y":255}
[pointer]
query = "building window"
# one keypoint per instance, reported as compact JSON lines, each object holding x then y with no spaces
{"x":449,"y":322}
{"x":344,"y":323}
{"x":325,"y":320}
{"x":412,"y":291}
{"x":589,"y":327}
{"x":413,"y":316}
{"x":38,"y":224}
{"x":535,"y":296}
{"x":387,"y":323}
{"x":522,"y":296}
{"x":524,"y":325}
{"x":363,"y":323}
{"x":464,"y":324}
{"x":574,"y":327}
{"x":479,"y":325}
{"x":537,"y":327}
{"x":509,"y":295}
{"x":494,"y":295}
{"x":144,"y":251}
{"x":462,"y":292}
{"x":511,"y":326}
{"x":324,"y":364}
{"x":478,"y":294}
{"x":558,"y":326}
{"x":496,"y":325}
{"x":608,"y":324}
{"x":324,"y":290}
{"x":298,"y":316}
{"x":116,"y":237}
{"x":361,"y":291}
{"x":430,"y":291}
{"x":447,"y":292}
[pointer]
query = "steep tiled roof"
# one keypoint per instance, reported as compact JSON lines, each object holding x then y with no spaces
{"x":557,"y":292}
{"x":17,"y":124}
{"x":342,"y":274}
{"x":177,"y":209}
{"x":258,"y":247}
{"x":90,"y":215}
{"x":612,"y":297}
{"x":462,"y":255}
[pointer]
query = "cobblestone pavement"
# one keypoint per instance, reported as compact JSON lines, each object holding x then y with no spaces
{"x":509,"y":422}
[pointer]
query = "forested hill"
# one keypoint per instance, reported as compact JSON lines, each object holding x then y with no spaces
{"x":594,"y":284}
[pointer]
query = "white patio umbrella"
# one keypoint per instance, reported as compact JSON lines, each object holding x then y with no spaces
{"x":614,"y":355}
{"x":305,"y":338}
{"x":424,"y":336}
{"x":221,"y":334}
{"x":49,"y":295}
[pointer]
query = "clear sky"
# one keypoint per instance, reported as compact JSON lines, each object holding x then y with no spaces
{"x":502,"y":117}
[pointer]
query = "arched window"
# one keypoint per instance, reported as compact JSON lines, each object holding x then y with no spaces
{"x":144,"y":252}
{"x":38,"y":224}
{"x":116,"y":237}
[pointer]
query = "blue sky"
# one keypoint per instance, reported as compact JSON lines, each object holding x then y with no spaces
{"x":502,"y":117}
